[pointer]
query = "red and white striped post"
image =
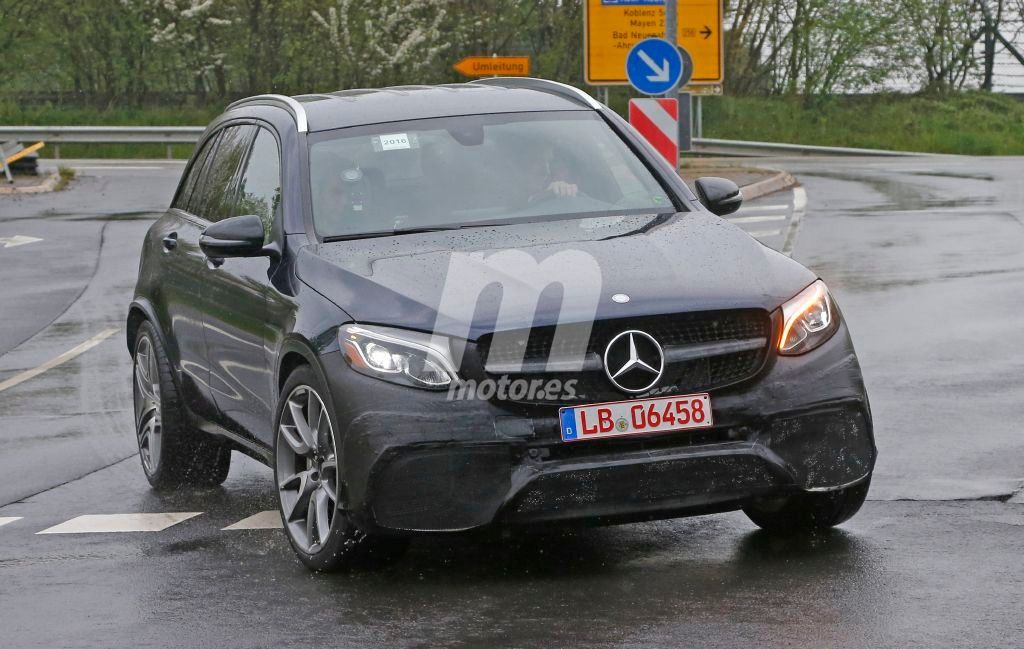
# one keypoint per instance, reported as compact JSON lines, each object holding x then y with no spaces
{"x":658,"y":121}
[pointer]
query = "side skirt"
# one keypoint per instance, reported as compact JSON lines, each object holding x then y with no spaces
{"x":253,"y":449}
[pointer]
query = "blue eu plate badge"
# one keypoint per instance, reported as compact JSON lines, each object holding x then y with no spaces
{"x":568,"y":419}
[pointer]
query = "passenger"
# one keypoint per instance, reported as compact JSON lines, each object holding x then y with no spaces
{"x":344,"y":197}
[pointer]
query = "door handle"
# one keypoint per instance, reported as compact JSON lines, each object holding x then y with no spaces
{"x":171,"y":241}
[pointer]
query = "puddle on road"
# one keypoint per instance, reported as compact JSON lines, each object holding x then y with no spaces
{"x":902,"y":196}
{"x":924,"y":205}
{"x":952,"y":174}
{"x":119,"y":216}
{"x":87,"y":216}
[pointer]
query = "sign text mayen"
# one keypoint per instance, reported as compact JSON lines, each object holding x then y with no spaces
{"x":612,"y":27}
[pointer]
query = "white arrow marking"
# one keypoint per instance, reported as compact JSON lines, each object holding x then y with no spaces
{"x":17,"y":240}
{"x":660,"y":72}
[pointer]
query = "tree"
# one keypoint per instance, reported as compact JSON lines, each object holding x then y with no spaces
{"x":942,"y":35}
{"x":191,"y":35}
{"x":548,"y":31}
{"x":808,"y":47}
{"x":15,"y":23}
{"x":385,"y":42}
{"x":751,"y":26}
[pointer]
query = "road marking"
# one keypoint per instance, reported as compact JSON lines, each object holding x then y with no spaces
{"x":799,"y":198}
{"x":17,"y":240}
{"x":758,"y":219}
{"x":104,"y":523}
{"x":268,"y":520}
{"x":799,"y":207}
{"x":966,"y":211}
{"x":764,"y":208}
{"x":764,"y":233}
{"x":4,"y":520}
{"x":74,"y":352}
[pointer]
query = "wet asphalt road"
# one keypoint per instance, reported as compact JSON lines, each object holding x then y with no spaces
{"x":926,"y":258}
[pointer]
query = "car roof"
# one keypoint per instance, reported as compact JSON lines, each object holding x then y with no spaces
{"x":363,"y":106}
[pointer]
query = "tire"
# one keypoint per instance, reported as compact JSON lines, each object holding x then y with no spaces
{"x":173,"y":454}
{"x":306,"y":472}
{"x":808,"y":512}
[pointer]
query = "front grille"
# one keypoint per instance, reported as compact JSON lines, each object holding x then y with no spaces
{"x":675,"y":330}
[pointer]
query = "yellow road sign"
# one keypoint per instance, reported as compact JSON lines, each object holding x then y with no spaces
{"x":494,"y":66}
{"x":612,"y":27}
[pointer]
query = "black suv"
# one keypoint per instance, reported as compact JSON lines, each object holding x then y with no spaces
{"x":439,"y":308}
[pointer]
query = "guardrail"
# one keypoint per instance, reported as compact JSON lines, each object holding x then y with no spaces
{"x":57,"y":135}
{"x":710,"y":146}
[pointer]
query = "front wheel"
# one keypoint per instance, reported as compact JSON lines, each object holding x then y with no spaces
{"x":307,"y":477}
{"x":808,"y":512}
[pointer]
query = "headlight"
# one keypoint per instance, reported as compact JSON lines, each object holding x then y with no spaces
{"x":396,"y":355}
{"x":809,"y":319}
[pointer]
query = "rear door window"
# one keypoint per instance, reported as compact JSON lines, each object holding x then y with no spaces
{"x":194,"y":174}
{"x":214,"y":199}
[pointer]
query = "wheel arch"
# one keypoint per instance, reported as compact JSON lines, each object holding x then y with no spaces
{"x":295,"y":352}
{"x":140,"y":311}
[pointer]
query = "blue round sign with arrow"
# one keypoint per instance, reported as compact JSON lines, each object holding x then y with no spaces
{"x":654,"y":66}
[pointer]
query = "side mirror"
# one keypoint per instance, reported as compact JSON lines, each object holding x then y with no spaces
{"x":719,"y":195}
{"x":238,"y":236}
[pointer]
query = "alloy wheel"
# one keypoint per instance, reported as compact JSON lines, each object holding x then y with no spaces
{"x":147,"y":404}
{"x":307,"y":469}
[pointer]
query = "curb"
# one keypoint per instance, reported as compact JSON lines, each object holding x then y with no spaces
{"x":47,"y":185}
{"x":778,"y":182}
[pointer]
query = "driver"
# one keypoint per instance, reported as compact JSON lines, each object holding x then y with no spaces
{"x":547,"y":176}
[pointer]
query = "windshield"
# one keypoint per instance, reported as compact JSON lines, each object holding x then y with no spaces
{"x":477,"y":169}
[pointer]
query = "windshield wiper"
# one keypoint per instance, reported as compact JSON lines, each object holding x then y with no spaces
{"x":657,"y":219}
{"x":417,"y":230}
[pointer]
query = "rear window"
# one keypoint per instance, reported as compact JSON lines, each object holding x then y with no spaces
{"x":476,"y":169}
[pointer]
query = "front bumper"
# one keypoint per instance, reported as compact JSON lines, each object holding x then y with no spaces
{"x":416,"y":461}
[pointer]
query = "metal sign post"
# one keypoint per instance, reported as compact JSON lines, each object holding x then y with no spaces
{"x":685,"y":101}
{"x":671,"y":30}
{"x":685,"y":122}
{"x":698,"y":120}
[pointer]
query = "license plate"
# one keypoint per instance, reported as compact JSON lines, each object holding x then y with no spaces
{"x":640,"y":417}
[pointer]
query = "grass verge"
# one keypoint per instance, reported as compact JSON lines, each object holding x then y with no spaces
{"x":972,"y":123}
{"x":67,"y":174}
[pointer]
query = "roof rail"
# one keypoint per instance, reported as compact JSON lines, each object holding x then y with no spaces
{"x":543,"y":85}
{"x":294,"y":107}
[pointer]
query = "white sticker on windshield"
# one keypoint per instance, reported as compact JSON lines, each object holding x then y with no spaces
{"x":395,"y":141}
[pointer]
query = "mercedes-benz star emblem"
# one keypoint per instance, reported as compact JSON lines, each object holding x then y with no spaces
{"x":634,"y":361}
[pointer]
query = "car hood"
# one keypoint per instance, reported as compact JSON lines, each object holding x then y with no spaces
{"x":469,"y":282}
